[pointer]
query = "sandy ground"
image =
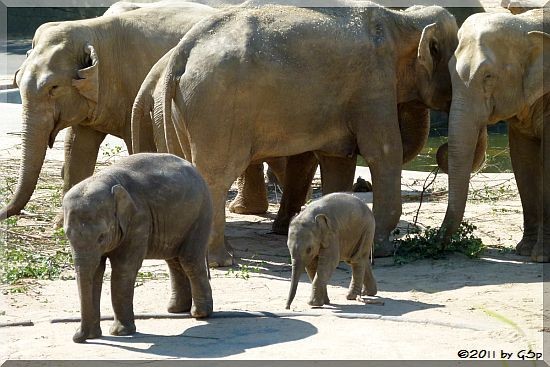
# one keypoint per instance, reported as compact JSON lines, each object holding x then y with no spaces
{"x":432,"y":309}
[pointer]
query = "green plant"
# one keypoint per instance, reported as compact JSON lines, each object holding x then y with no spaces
{"x":20,"y":260}
{"x":417,"y":244}
{"x":110,"y":152}
{"x":243,"y":271}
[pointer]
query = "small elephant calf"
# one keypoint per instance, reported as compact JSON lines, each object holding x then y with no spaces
{"x":336,"y":227}
{"x":147,"y":206}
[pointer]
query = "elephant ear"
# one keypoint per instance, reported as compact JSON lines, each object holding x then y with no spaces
{"x":125,"y":207}
{"x":88,"y":78}
{"x":323,"y":223}
{"x":538,"y":64}
{"x":428,"y":42}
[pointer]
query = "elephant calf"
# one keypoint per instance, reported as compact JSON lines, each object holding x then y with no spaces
{"x":334,"y":228}
{"x":148,"y":206}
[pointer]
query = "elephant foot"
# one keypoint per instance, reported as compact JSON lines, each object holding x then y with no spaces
{"x":202,"y":308}
{"x":252,"y":194}
{"x":179,"y":304}
{"x":280,"y":225}
{"x":526,"y":245}
{"x":219,"y":258}
{"x":369,"y":291}
{"x":352,"y":295}
{"x":242,"y":205}
{"x":120,"y":329}
{"x":319,"y":301}
{"x":58,"y":221}
{"x":384,"y":248}
{"x":81,"y":336}
{"x":540,"y":254}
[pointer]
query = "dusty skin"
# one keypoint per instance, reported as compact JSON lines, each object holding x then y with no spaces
{"x":431,"y":309}
{"x":492,"y":303}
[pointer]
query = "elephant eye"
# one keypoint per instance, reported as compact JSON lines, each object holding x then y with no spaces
{"x":53,"y":89}
{"x":101,"y":238}
{"x":434,"y":49}
{"x":308,"y":250}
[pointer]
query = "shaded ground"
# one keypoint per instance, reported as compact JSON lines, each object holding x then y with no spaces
{"x":431,"y":308}
{"x":494,"y":302}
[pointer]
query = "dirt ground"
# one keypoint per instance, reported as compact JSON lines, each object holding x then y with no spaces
{"x":489,"y":307}
{"x":431,"y":309}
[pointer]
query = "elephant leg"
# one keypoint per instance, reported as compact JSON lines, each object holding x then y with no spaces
{"x":337,"y":173}
{"x":319,"y":294}
{"x":299,"y":173}
{"x":252,"y":194}
{"x":81,"y":148}
{"x":357,"y":276}
{"x":180,"y":300}
{"x":379,"y":143}
{"x":123,"y":279}
{"x":541,"y":250}
{"x":276,"y":170}
{"x":524,"y":153}
{"x":327,"y":261}
{"x":192,"y":258}
{"x":200,"y":287}
{"x":369,"y":282}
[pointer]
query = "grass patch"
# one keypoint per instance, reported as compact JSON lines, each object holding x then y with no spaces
{"x":23,"y":259}
{"x":426,"y":244}
{"x":30,"y":249}
{"x":242,"y":271}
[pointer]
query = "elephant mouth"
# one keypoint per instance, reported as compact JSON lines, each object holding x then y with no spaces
{"x":53,"y":135}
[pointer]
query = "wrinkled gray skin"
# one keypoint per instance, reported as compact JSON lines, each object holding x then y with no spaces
{"x":147,"y":108}
{"x":337,"y":227}
{"x":85,"y":75}
{"x":497,"y":74}
{"x":147,"y":206}
{"x":414,"y":124}
{"x":250,"y":84}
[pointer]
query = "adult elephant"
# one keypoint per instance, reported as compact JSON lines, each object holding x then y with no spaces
{"x":497,"y":74}
{"x":85,"y":75}
{"x":279,"y":81}
{"x":414,"y":124}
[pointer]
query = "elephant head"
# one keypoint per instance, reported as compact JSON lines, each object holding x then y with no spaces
{"x":496,"y":74}
{"x":96,"y":219}
{"x":58,"y":83}
{"x":308,"y":239}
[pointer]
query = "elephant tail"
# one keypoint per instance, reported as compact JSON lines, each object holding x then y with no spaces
{"x":175,"y":69}
{"x":140,"y":112}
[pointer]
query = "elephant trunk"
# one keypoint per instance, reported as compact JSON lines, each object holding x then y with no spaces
{"x":85,"y":272}
{"x":297,"y":269}
{"x":463,"y":134}
{"x":35,"y":136}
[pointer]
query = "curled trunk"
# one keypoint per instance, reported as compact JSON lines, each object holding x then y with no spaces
{"x":297,"y":269}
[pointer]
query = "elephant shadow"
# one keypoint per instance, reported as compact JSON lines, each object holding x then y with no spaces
{"x":216,"y":337}
{"x":385,"y":307}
